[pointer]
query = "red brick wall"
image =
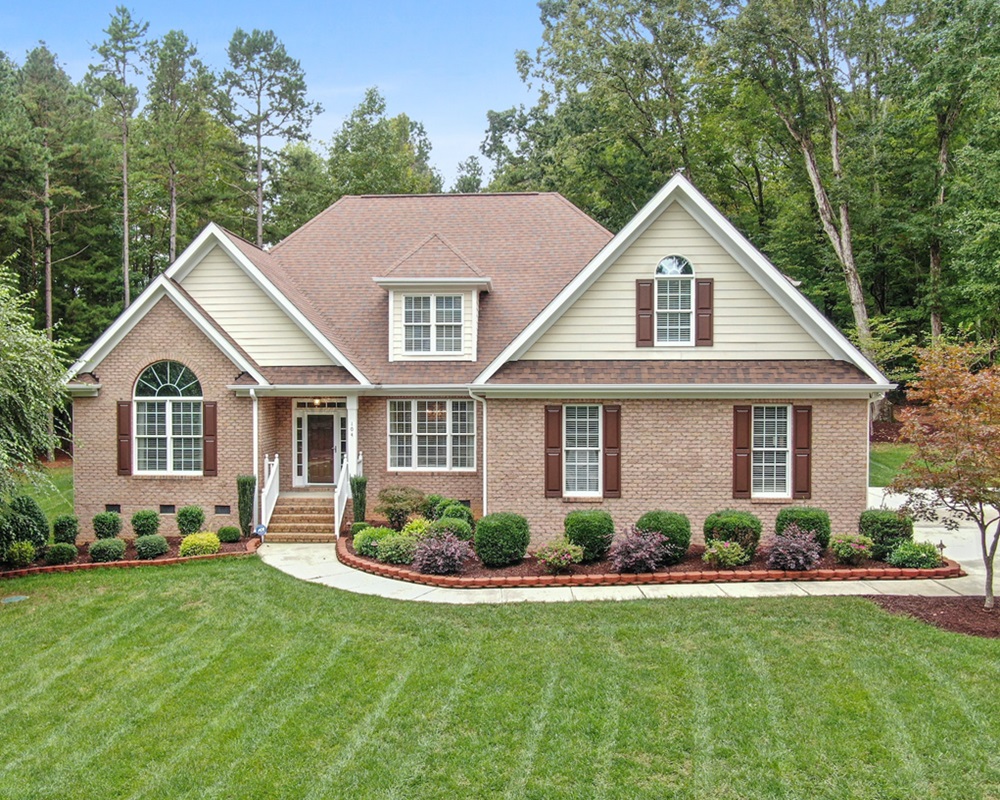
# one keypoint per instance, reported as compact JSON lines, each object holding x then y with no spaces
{"x":676,"y":456}
{"x":164,"y":334}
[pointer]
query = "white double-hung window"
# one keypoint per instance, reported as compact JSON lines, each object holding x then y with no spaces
{"x":433,"y":323}
{"x":168,"y":419}
{"x":674,"y":301}
{"x":436,"y":435}
{"x":771,"y":444}
{"x":582,"y":451}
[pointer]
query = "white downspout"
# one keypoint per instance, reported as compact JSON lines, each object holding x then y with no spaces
{"x":256,"y":463}
{"x":485,"y":482}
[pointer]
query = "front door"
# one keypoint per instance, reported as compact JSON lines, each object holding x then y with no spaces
{"x":319,"y":442}
{"x":320,"y":448}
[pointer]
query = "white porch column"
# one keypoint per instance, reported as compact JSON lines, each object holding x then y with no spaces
{"x":352,"y":433}
{"x":256,"y":460}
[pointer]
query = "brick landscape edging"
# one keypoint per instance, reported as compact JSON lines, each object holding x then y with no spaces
{"x":161,"y":562}
{"x":951,"y":569}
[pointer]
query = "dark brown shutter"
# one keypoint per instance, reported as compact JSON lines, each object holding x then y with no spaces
{"x":553,"y":451}
{"x":742,"y":457}
{"x":703,"y":295}
{"x":644,"y":313}
{"x":802,"y":452}
{"x":210,"y":449}
{"x":612,"y":451}
{"x":124,"y":437}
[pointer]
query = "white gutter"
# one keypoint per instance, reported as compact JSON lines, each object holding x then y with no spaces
{"x":256,"y":463}
{"x":701,"y":390}
{"x":485,"y":427}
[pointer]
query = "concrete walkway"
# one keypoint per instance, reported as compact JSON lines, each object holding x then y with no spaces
{"x":317,"y":563}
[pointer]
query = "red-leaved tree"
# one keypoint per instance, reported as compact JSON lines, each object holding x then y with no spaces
{"x":955,"y":426}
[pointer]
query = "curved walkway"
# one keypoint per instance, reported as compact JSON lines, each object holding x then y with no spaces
{"x":317,"y":563}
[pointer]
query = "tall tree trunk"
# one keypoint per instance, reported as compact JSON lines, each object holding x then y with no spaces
{"x":945,"y":124}
{"x":47,"y":225}
{"x":260,"y":192}
{"x":125,"y":217}
{"x":173,"y":212}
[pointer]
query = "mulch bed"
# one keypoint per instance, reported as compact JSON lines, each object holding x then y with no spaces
{"x":957,"y":614}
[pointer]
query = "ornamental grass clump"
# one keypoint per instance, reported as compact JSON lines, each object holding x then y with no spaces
{"x":725,"y":554}
{"x":200,"y":544}
{"x":730,"y":525}
{"x":591,"y":530}
{"x":794,"y":550}
{"x":396,"y":549}
{"x":441,"y":555}
{"x":502,"y":539}
{"x":366,"y":542}
{"x":676,"y":528}
{"x":560,"y":556}
{"x":641,"y":551}
{"x":915,"y":555}
{"x":886,"y":529}
{"x":851,"y":548}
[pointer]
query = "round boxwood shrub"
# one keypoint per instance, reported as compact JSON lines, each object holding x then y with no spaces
{"x":200,"y":544}
{"x":396,"y":549}
{"x":107,"y":550}
{"x":21,"y":554}
{"x":145,"y":523}
{"x":502,"y":539}
{"x":915,"y":555}
{"x":190,"y":519}
{"x":458,"y":528}
{"x":457,"y":511}
{"x":107,"y":525}
{"x":441,"y":555}
{"x":60,"y":553}
{"x":593,"y":530}
{"x":730,"y":525}
{"x":151,"y":546}
{"x":674,"y":527}
{"x":429,"y":507}
{"x":366,"y":542}
{"x":229,"y":533}
{"x":28,"y":521}
{"x":809,"y":520}
{"x":886,"y":529}
{"x":442,"y":504}
{"x":357,"y":527}
{"x":65,"y":529}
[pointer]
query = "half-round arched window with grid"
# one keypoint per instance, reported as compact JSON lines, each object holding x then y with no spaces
{"x":168,"y":419}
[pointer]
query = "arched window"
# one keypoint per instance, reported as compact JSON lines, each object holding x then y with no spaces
{"x":168,"y":419}
{"x":674,"y":301}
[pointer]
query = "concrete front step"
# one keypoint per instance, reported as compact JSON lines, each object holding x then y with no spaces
{"x":301,"y":527}
{"x":328,"y":538}
{"x":303,"y":508}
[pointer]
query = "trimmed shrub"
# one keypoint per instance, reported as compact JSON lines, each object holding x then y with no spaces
{"x":458,"y":528}
{"x":675,"y":528}
{"x":61,"y":553}
{"x":730,"y":525}
{"x":359,"y":497}
{"x":639,"y":551}
{"x":794,"y":550}
{"x":430,"y":506}
{"x":246,"y":489}
{"x":725,"y":554}
{"x":850,"y":548}
{"x":416,"y":527}
{"x":592,"y":530}
{"x":107,"y":525}
{"x":229,"y":533}
{"x":199,"y":544}
{"x":366,"y":542}
{"x":190,"y":519}
{"x":810,"y":520}
{"x":29,"y":521}
{"x":442,"y":504}
{"x":559,"y":556}
{"x":104,"y":550}
{"x":397,"y":503}
{"x":396,"y":549}
{"x":915,"y":555}
{"x":21,"y":554}
{"x":145,"y":523}
{"x":151,"y":546}
{"x":65,"y":529}
{"x":357,"y":527}
{"x":458,"y":511}
{"x":6,"y":532}
{"x":886,"y":529}
{"x":502,"y":539}
{"x":441,"y":555}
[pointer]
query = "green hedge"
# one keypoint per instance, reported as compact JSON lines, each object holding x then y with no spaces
{"x":104,"y":550}
{"x":809,"y":520}
{"x":730,"y":525}
{"x":229,"y":533}
{"x":458,"y":527}
{"x":593,"y":530}
{"x":149,"y":547}
{"x":366,"y":542}
{"x":145,"y":523}
{"x":107,"y":525}
{"x":200,"y":544}
{"x":190,"y":519}
{"x":886,"y":529}
{"x":65,"y":529}
{"x":61,"y":553}
{"x":502,"y":539}
{"x":674,"y":527}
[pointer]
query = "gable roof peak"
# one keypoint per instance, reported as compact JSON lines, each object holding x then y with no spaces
{"x":434,"y":257}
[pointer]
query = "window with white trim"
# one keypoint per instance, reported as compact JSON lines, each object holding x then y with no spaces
{"x":437,"y":435}
{"x":582,"y":451}
{"x":674,"y":301}
{"x":433,"y":323}
{"x":771,"y":463}
{"x":168,"y":420}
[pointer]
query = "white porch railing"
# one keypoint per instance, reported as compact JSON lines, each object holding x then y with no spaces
{"x":340,"y":496}
{"x":269,"y":495}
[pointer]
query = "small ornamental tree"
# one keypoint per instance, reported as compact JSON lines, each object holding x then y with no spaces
{"x":954,"y":425}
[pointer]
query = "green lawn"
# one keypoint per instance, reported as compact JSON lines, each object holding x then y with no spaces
{"x":227,"y":679}
{"x":885,"y":461}
{"x":57,"y":498}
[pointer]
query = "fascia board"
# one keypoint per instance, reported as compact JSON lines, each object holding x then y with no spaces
{"x":429,"y":284}
{"x":292,"y":390}
{"x":706,"y":391}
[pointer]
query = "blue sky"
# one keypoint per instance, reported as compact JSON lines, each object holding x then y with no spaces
{"x":444,"y":63}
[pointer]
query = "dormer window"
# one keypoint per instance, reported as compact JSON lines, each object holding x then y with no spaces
{"x":674,"y":301}
{"x":432,"y":323}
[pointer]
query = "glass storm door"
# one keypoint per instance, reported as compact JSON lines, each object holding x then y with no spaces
{"x":320,"y":447}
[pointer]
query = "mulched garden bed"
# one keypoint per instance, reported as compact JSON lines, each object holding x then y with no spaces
{"x":957,"y":614}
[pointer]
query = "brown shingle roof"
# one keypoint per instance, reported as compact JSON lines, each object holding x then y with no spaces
{"x":434,"y":258}
{"x":303,"y":376}
{"x":679,"y":373}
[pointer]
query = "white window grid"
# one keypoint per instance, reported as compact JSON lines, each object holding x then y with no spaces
{"x":771,"y":446}
{"x":167,"y":448}
{"x":432,"y":435}
{"x":433,"y":324}
{"x":674,"y":310}
{"x":582,"y":439}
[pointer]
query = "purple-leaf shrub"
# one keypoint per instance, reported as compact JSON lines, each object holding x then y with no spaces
{"x":640,"y":551}
{"x":794,"y":550}
{"x":441,"y":555}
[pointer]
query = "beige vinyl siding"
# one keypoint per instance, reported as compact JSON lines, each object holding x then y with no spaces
{"x":470,"y":315}
{"x":260,"y":327}
{"x":747,"y":320}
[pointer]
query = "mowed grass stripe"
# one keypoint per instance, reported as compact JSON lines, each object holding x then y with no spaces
{"x":526,"y":757}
